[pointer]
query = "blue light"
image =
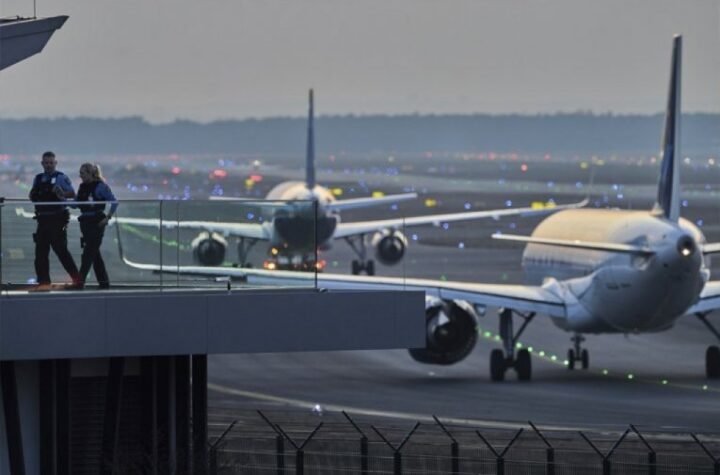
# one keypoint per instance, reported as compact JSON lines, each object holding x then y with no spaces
{"x":394,"y":207}
{"x":461,"y":245}
{"x":446,"y":226}
{"x":699,"y":223}
{"x":467,"y":206}
{"x":414,"y":237}
{"x":684,"y":203}
{"x":250,"y":216}
{"x":578,"y":185}
{"x":508,"y":203}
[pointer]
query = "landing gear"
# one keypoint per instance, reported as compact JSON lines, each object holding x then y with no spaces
{"x":243,"y":251}
{"x":357,"y":243}
{"x":578,"y":354}
{"x":502,"y":360}
{"x":712,"y":354}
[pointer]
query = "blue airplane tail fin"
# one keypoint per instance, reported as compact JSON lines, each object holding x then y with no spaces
{"x":310,"y":153}
{"x":668,"y":195}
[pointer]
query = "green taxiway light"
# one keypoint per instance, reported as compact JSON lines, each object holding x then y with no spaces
{"x":518,"y":345}
{"x":542,"y":353}
{"x":664,"y":381}
{"x":605,"y":372}
{"x":553,"y":357}
{"x":530,"y":349}
{"x":705,"y":387}
{"x":497,"y":337}
{"x":630,"y":376}
{"x":566,"y":363}
{"x":487,"y":334}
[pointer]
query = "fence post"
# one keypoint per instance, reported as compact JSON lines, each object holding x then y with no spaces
{"x":454,"y":449}
{"x":299,"y":449}
{"x":214,"y":447}
{"x":279,"y":445}
{"x":606,"y":464}
{"x":363,"y":445}
{"x":397,"y":451}
{"x":716,"y":460}
{"x":500,"y":456}
{"x":549,"y":451}
{"x":652,"y":456}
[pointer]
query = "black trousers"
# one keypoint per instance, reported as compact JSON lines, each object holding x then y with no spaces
{"x":92,"y":236}
{"x":52,"y":233}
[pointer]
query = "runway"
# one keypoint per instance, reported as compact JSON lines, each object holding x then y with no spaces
{"x":651,"y":380}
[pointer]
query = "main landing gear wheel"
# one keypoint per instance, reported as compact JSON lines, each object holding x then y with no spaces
{"x":357,"y":267}
{"x":523,"y":365}
{"x":497,"y":365}
{"x":712,"y":362}
{"x":502,"y":360}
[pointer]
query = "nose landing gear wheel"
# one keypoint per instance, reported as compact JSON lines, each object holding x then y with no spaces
{"x":585,"y":359}
{"x":571,"y":359}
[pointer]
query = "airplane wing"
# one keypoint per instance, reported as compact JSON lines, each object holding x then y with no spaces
{"x":709,"y":299}
{"x":547,"y":300}
{"x":246,"y":230}
{"x":364,"y":227}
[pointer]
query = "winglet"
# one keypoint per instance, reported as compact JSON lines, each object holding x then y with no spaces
{"x":310,"y":155}
{"x":668,"y":197}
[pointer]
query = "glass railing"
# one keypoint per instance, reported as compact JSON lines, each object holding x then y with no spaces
{"x":166,"y":244}
{"x":219,"y":243}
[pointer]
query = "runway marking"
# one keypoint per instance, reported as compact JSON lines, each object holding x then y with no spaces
{"x":409,"y":416}
{"x":553,"y":359}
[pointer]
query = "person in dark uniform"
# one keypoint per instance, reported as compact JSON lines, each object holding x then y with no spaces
{"x":50,"y":187}
{"x":93,"y":221}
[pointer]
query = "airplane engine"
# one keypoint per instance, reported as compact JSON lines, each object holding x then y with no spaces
{"x":451,"y":332}
{"x":209,"y":249}
{"x":389,"y":246}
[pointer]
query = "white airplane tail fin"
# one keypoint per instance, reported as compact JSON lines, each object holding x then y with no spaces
{"x":310,"y":153}
{"x":668,"y":197}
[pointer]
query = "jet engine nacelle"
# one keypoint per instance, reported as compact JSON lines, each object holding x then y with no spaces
{"x":451,"y":332}
{"x":389,"y":246}
{"x":209,"y":249}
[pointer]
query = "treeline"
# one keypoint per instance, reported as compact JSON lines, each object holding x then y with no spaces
{"x":557,"y":133}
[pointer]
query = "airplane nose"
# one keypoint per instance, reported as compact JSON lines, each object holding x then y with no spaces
{"x":686,"y":246}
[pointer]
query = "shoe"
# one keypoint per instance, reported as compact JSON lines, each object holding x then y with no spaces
{"x":103,"y":285}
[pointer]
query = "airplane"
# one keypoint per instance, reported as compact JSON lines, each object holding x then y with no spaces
{"x":303,"y":217}
{"x":592,"y":271}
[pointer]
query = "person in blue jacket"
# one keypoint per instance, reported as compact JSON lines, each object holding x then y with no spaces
{"x":93,"y":221}
{"x":49,"y":190}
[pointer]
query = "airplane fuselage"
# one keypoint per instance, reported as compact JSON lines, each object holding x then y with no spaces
{"x":619,"y":292}
{"x":295,"y":228}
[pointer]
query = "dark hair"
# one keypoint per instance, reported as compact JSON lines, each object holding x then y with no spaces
{"x":48,"y":154}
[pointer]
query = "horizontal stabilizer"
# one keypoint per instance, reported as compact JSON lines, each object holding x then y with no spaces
{"x":355,"y":203}
{"x":590,"y":245}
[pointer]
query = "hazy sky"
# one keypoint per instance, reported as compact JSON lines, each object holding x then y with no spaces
{"x":213,"y":59}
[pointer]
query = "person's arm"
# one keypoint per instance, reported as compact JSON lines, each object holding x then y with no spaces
{"x":104,"y":192}
{"x":68,"y":192}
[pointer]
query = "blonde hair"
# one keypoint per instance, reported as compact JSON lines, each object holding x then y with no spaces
{"x":93,"y":170}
